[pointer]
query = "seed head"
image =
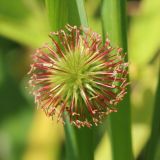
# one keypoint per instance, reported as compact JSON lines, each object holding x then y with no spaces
{"x":78,"y":75}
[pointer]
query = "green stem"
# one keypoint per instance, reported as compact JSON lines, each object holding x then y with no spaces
{"x":79,"y":142}
{"x":85,"y":143}
{"x":57,"y":13}
{"x":77,"y":15}
{"x":84,"y":136}
{"x":71,"y":142}
{"x":114,"y":25}
{"x":155,"y":129}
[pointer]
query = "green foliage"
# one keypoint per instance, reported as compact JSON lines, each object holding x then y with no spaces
{"x":57,"y":13}
{"x":25,"y":23}
{"x":144,"y":32}
{"x":155,"y":127}
{"x":114,"y":22}
{"x":15,"y":10}
{"x":24,"y":26}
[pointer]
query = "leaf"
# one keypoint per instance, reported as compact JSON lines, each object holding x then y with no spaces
{"x":26,"y":31}
{"x":154,"y":136}
{"x":144,"y":33}
{"x":114,"y":24}
{"x":15,"y":10}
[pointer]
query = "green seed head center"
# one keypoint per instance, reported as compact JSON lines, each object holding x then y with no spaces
{"x":72,"y":71}
{"x":75,"y":67}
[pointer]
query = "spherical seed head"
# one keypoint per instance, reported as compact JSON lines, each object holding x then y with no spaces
{"x":78,"y":75}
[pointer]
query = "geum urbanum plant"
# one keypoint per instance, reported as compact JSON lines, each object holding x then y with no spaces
{"x":78,"y":75}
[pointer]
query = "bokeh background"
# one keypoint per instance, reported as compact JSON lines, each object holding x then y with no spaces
{"x":26,"y":133}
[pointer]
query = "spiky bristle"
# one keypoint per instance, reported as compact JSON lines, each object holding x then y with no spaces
{"x":78,"y":75}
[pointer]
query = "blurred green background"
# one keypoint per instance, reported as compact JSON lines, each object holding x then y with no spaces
{"x":26,"y":133}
